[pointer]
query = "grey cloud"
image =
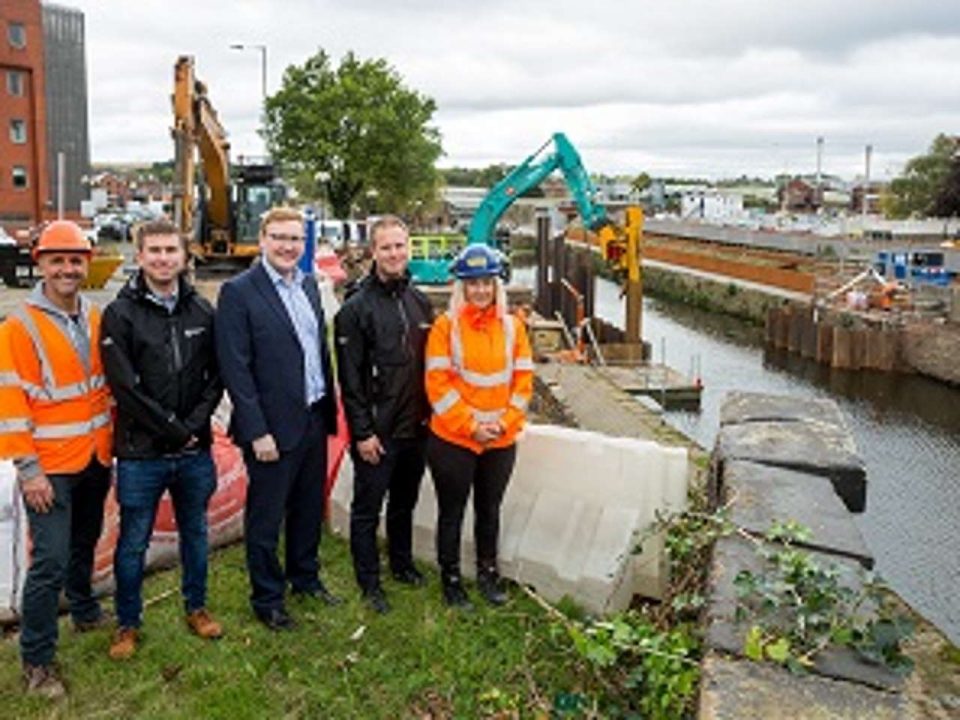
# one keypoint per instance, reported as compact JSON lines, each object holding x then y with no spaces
{"x":669,"y":83}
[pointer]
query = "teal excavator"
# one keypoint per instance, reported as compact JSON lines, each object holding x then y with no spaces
{"x":432,"y":255}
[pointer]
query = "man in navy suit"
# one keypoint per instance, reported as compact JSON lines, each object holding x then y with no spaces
{"x":275,"y":363}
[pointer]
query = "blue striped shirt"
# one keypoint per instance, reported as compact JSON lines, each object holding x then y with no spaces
{"x":305,"y":324}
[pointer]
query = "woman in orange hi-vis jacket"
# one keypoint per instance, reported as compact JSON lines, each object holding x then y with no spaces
{"x":479,"y":381}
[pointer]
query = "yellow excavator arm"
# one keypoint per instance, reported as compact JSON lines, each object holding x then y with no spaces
{"x":197,"y":127}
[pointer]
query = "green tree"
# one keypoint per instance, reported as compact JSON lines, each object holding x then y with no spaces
{"x":924,"y":179}
{"x":641,"y":182}
{"x":947,"y":201}
{"x":475,"y":177}
{"x":355,"y":133}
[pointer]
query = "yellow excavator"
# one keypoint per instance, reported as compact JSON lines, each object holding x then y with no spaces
{"x":215,"y":205}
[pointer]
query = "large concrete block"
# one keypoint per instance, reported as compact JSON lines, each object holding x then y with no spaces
{"x":743,"y":407}
{"x":760,"y":495}
{"x":812,"y":445}
{"x":575,"y":506}
{"x":732,"y":689}
{"x":724,"y":633}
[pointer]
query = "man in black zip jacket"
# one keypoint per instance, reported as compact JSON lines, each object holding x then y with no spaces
{"x":381,"y":335}
{"x":157,"y":344}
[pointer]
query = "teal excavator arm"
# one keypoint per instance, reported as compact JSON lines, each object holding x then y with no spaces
{"x":530,"y":173}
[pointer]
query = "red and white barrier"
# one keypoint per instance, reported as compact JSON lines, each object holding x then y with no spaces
{"x":225,"y":517}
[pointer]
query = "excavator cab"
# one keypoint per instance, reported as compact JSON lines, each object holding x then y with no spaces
{"x":256,"y":189}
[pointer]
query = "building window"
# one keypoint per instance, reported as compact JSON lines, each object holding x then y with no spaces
{"x":17,"y":35}
{"x":19,"y":177}
{"x":18,"y":132}
{"x":15,"y":82}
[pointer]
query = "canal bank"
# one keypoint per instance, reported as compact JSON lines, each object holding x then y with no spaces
{"x":906,"y":427}
{"x":921,"y":345}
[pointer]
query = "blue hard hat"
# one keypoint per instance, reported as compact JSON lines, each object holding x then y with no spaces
{"x":478,"y":261}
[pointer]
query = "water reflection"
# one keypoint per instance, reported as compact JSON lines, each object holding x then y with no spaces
{"x":892,"y":397}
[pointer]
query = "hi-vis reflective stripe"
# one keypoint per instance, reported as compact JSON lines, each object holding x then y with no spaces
{"x":34,"y":391}
{"x":50,"y":391}
{"x":487,"y":415}
{"x":76,"y":390}
{"x":488,"y":379}
{"x":15,"y":425}
{"x":446,"y":402}
{"x":9,"y":379}
{"x":438,"y":363}
{"x":518,"y":401}
{"x":34,"y":332}
{"x":524,"y":364}
{"x":65,"y":392}
{"x":67,"y":430}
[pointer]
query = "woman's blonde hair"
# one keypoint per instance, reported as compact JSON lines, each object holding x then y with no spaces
{"x":458,"y":298}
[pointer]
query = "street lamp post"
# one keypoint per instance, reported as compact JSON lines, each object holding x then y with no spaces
{"x":263,"y":66}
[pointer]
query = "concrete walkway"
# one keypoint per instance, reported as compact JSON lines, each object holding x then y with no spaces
{"x":595,"y":403}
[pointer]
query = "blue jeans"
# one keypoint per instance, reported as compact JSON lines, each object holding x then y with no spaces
{"x":191,"y":480}
{"x":63,"y":545}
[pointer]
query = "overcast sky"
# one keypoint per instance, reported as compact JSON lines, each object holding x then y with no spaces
{"x":683,"y":87}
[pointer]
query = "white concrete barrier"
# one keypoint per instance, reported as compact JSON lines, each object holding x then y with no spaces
{"x":575,"y":507}
{"x":13,"y":541}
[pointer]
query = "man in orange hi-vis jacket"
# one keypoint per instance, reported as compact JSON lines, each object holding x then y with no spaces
{"x":479,"y":380}
{"x":55,"y":424}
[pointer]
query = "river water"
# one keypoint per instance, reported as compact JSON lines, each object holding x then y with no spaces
{"x":907,"y":429}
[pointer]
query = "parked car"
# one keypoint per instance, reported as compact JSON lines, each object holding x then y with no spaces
{"x":111,"y":227}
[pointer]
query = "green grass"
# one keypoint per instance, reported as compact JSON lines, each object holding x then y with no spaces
{"x":421,"y":660}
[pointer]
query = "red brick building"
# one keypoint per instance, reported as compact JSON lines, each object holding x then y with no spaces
{"x":23,"y":154}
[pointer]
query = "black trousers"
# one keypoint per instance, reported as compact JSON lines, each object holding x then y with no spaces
{"x":397,"y":476}
{"x":287,"y":492}
{"x":457,"y":470}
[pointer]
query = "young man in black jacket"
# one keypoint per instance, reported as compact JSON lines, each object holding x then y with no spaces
{"x":158,"y":351}
{"x":381,"y":335}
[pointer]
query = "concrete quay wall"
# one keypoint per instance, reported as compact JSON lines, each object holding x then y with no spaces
{"x":856,"y":342}
{"x":714,"y":295}
{"x":779,"y":459}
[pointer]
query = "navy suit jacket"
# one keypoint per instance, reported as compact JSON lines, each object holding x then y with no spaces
{"x":261,"y":361}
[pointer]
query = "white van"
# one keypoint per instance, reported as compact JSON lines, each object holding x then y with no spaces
{"x":340,"y":233}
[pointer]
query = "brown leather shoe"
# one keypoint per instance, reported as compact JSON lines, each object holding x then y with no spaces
{"x":202,"y":623}
{"x":43,"y":680}
{"x":124,"y":643}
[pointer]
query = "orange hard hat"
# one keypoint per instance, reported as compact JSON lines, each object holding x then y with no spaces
{"x":62,"y":236}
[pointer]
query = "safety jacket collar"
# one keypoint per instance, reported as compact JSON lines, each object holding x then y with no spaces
{"x":391,"y":286}
{"x":136,"y":288}
{"x":476,"y":316}
{"x":37,"y":299}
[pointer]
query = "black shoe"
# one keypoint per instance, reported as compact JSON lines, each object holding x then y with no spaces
{"x":491,"y":587}
{"x":455,"y":596}
{"x":410,"y":576}
{"x":276,"y":619}
{"x":101,"y":621}
{"x":318,"y":593}
{"x":376,"y":600}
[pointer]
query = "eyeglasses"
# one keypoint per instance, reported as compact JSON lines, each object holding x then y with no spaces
{"x":280,"y":237}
